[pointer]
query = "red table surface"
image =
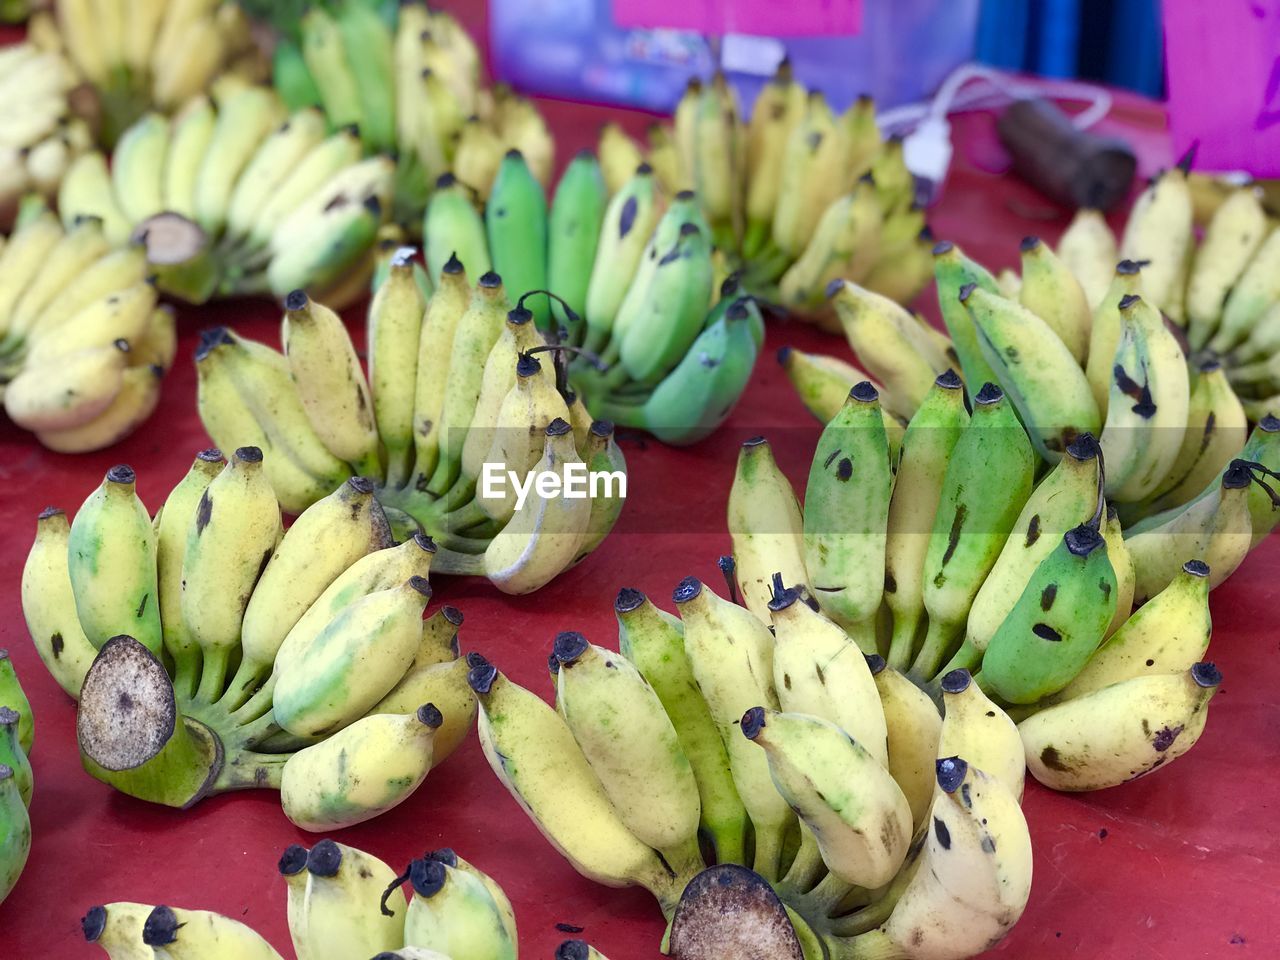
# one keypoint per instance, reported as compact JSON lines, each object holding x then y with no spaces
{"x":1179,"y":865}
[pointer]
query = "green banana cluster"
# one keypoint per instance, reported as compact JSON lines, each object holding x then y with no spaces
{"x":408,"y":78}
{"x":83,"y":344}
{"x":17,"y":733}
{"x":716,"y":737}
{"x":464,"y":405}
{"x":664,"y":342}
{"x":796,"y":196}
{"x":152,"y":54}
{"x":251,"y":656}
{"x":236,"y":195}
{"x":951,"y":556}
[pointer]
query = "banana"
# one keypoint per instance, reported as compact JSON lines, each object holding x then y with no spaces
{"x":1120,"y":732}
{"x":333,"y":67}
{"x":81,"y":246}
{"x":506,"y":915}
{"x":453,"y":229}
{"x":66,"y":392}
{"x":369,"y":48}
{"x":603,"y":457}
{"x":1051,"y":291}
{"x":477,"y":155}
{"x":15,"y":832}
{"x":120,"y":316}
{"x":176,"y":934}
{"x":322,"y":690}
{"x":137,"y":167}
{"x":26,"y":255}
{"x":117,"y":929}
{"x":777,"y":109}
{"x":1234,"y":234}
{"x":812,"y":175}
{"x":1254,"y":292}
{"x":972,"y":521}
{"x":516,"y":226}
{"x":189,"y":139}
{"x":914,"y":728}
{"x":445,"y":308}
{"x":111,"y":558}
{"x":361,"y":771}
{"x":532,"y":752}
{"x":332,"y":156}
{"x":444,"y":684}
{"x":452,"y":909}
{"x":13,"y":756}
{"x":1064,"y":499}
{"x":1159,"y":232}
{"x":973,"y":880}
{"x":87,"y":191}
{"x":921,"y":471}
{"x":324,"y":365}
{"x":619,"y":157}
{"x":844,"y":243}
{"x":13,"y":697}
{"x":276,"y":158}
{"x":645,"y":773}
{"x":48,"y":604}
{"x":874,"y":327}
{"x":731,"y":656}
{"x":336,"y":893}
{"x":573,"y":236}
{"x":1088,"y":249}
{"x":243,"y":121}
{"x":974,"y":726}
{"x":767,"y":527}
{"x":823,"y":382}
{"x":395,"y":327}
{"x":1036,"y":369}
{"x":1104,"y":334}
{"x":230,"y":539}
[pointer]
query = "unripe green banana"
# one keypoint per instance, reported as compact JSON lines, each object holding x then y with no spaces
{"x":453,"y":910}
{"x":13,"y":697}
{"x":368,"y":44}
{"x":13,"y":756}
{"x":573,"y":234}
{"x":15,"y":832}
{"x":516,"y":225}
{"x":453,"y":228}
{"x":111,"y":556}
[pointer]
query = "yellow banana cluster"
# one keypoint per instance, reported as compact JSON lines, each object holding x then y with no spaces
{"x":38,"y":135}
{"x":252,"y":656}
{"x":140,"y":55}
{"x":411,"y":84}
{"x":776,"y":744}
{"x":463,"y":424}
{"x":796,"y":196}
{"x":234,"y":195}
{"x":83,"y":343}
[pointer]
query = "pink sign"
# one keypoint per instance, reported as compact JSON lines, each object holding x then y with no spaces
{"x":763,"y":18}
{"x":1223,"y":66}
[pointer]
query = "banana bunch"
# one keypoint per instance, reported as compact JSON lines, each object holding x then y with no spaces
{"x":464,"y":425}
{"x":141,"y":55}
{"x":663,"y":340}
{"x":234,"y":195}
{"x":83,"y":343}
{"x":952,"y":557}
{"x":408,"y":78}
{"x":210,"y":650}
{"x":17,"y":732}
{"x":873,"y":826}
{"x":796,"y":196}
{"x":38,"y":136}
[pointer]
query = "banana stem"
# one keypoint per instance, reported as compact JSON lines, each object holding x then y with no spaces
{"x":968,"y":657}
{"x":770,"y":839}
{"x":247,"y":770}
{"x":458,"y":564}
{"x":729,"y":840}
{"x":902,"y":644}
{"x":186,"y":674}
{"x":213,"y":674}
{"x":370,"y":466}
{"x":255,"y":732}
{"x":248,"y":677}
{"x":399,"y":465}
{"x":257,"y":705}
{"x":872,"y":945}
{"x":937,"y":642}
{"x":805,"y":869}
{"x":828,"y":893}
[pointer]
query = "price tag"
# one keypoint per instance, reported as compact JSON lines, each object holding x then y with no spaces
{"x":761,"y":18}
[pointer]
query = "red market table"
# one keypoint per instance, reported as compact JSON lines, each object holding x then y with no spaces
{"x":1177,"y":866}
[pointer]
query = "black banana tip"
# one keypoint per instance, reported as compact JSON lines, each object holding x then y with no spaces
{"x":513,"y":154}
{"x":864,"y":392}
{"x":445,"y":180}
{"x":628,"y":599}
{"x":424,"y":542}
{"x":729,"y":285}
{"x":4,"y":654}
{"x":739,"y":310}
{"x":553,"y":664}
{"x":249,"y":454}
{"x":834,"y":287}
{"x":160,"y":928}
{"x":753,"y":442}
{"x":475,"y":660}
{"x":1209,"y":364}
{"x":453,"y":265}
{"x":601,"y":428}
{"x":950,"y":772}
{"x":444,"y":855}
{"x":689,"y":229}
{"x":527,"y":366}
{"x":876,"y":663}
{"x":519,"y":315}
{"x":296,"y":300}
{"x":210,"y":340}
{"x":421,"y":585}
{"x":490,"y":280}
{"x":686,"y":590}
{"x":360,"y":484}
{"x":430,"y":716}
{"x":373,"y":205}
{"x":1083,"y":540}
{"x":949,"y":380}
{"x":943,"y":247}
{"x":989,"y":393}
{"x":427,"y":877}
{"x":573,"y":950}
{"x":49,"y":512}
{"x":210,"y":455}
{"x":1128,"y":267}
{"x":324,"y":859}
{"x":1269,"y":424}
{"x":753,"y":721}
{"x":1129,"y":300}
{"x":121,"y":473}
{"x":1197,"y":568}
{"x":558,"y":427}
{"x":1237,"y":475}
{"x":93,"y":923}
{"x":481,"y":676}
{"x":569,"y":647}
{"x":1028,"y":244}
{"x":957,"y":681}
{"x":293,"y":861}
{"x":966,"y":290}
{"x":644,"y":170}
{"x":1083,"y":447}
{"x":1206,"y":674}
{"x":784,"y":355}
{"x":684,"y":196}
{"x":1187,"y":159}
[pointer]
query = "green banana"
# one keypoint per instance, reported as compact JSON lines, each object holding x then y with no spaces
{"x":516,"y":225}
{"x":573,"y":235}
{"x":13,"y":697}
{"x":452,"y":228}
